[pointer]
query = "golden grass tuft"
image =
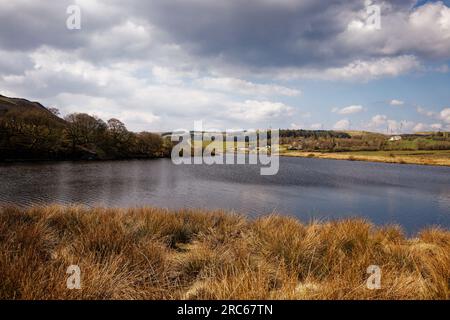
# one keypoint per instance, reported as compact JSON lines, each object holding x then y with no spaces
{"x":148,"y":253}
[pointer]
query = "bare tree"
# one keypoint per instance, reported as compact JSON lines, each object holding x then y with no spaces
{"x":84,"y":129}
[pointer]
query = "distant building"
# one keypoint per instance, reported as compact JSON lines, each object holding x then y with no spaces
{"x":395,"y":138}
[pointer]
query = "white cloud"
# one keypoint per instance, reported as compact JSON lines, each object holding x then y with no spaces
{"x":382,"y":123}
{"x":349,"y":110}
{"x":396,"y":102}
{"x":9,"y":93}
{"x":343,"y":124}
{"x":378,"y":120}
{"x":129,"y":37}
{"x":313,"y":126}
{"x":363,"y":70}
{"x":140,"y":117}
{"x":239,"y":86}
{"x":445,"y":115}
{"x":368,"y":70}
{"x":149,"y":67}
{"x":166,"y":75}
{"x":420,"y":127}
{"x":425,"y":112}
{"x":75,"y":85}
{"x":436,"y":126}
{"x":254,"y":111}
{"x":424,"y":30}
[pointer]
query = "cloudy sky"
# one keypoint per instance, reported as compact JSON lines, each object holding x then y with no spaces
{"x":162,"y":64}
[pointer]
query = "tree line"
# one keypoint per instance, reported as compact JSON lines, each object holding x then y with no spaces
{"x":28,"y":133}
{"x":38,"y":134}
{"x":316,"y":134}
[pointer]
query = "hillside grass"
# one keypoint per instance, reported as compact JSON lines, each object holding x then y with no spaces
{"x":146,"y":253}
{"x":422,"y":157}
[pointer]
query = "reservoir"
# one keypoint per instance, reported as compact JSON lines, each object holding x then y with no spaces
{"x":409,"y":195}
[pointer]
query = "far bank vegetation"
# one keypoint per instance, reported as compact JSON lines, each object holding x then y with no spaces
{"x":28,"y":131}
{"x":329,"y":141}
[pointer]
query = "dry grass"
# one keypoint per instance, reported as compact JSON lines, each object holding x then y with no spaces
{"x":433,"y":158}
{"x":157,"y":254}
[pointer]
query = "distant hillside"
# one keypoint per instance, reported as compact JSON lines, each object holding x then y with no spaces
{"x":19,"y":105}
{"x":7,"y":104}
{"x":356,"y":133}
{"x":284,"y":133}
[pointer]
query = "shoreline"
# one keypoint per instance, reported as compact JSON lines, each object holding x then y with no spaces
{"x":398,"y":158}
{"x":32,"y":161}
{"x":156,"y":254}
{"x":348,"y":156}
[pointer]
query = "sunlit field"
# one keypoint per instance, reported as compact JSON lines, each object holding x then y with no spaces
{"x":159,"y":254}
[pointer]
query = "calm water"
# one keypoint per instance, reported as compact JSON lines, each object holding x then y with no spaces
{"x":412,"y":196}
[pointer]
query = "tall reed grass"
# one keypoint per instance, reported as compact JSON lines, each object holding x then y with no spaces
{"x":159,"y":254}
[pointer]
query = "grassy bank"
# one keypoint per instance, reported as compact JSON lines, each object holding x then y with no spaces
{"x":158,"y":254}
{"x":425,"y":157}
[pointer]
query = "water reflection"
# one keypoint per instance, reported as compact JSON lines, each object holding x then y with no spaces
{"x":413,"y":196}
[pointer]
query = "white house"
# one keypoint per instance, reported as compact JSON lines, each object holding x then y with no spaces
{"x":395,"y":138}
